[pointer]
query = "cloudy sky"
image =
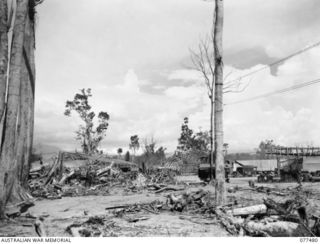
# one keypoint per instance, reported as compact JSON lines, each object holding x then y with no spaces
{"x":135,"y":57}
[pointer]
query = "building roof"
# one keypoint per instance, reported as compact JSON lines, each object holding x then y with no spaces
{"x":311,"y":164}
{"x":262,"y":165}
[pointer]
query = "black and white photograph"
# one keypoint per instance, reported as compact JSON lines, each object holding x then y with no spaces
{"x":159,"y":118}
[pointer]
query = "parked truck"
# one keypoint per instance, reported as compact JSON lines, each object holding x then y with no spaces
{"x":204,"y":169}
{"x":244,"y":170}
{"x":288,"y":170}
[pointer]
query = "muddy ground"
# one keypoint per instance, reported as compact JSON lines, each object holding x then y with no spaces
{"x":60,"y":213}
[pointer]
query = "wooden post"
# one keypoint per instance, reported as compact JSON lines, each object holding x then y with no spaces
{"x":61,"y":154}
{"x":220,"y":190}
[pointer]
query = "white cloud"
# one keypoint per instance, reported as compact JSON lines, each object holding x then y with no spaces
{"x":132,"y":112}
{"x":287,"y":118}
{"x":185,"y":75}
{"x":101,"y":41}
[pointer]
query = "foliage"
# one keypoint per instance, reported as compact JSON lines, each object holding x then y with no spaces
{"x":119,"y":151}
{"x":134,"y":143}
{"x":185,"y":140}
{"x":127,"y":156}
{"x":199,"y":141}
{"x":264,"y":147}
{"x":89,"y":137}
{"x":152,"y":155}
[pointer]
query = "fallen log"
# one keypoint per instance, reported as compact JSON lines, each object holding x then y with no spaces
{"x":250,"y":210}
{"x":196,"y":183}
{"x":40,"y":228}
{"x":66,"y":177}
{"x":168,"y":188}
{"x":156,"y":186}
{"x":36,"y":169}
{"x":233,"y":225}
{"x":278,"y":193}
{"x":136,"y":219}
{"x":128,"y":205}
{"x":107,"y":169}
{"x":198,"y":195}
{"x":277,"y":229}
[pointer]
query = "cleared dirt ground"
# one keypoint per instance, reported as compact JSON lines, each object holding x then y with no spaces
{"x":59,"y":214}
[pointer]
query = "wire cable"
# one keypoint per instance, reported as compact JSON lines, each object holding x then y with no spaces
{"x":276,"y":62}
{"x":285,"y":90}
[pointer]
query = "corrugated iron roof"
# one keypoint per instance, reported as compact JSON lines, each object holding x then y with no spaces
{"x":311,"y":164}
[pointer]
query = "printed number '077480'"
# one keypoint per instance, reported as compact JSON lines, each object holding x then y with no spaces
{"x":309,"y":239}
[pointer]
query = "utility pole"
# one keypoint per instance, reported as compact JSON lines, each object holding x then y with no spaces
{"x":220,"y":190}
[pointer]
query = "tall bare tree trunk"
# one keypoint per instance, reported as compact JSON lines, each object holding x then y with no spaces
{"x":30,"y":115}
{"x":218,"y":106}
{"x":211,"y":135}
{"x":9,"y":175}
{"x":26,"y":97}
{"x":3,"y":61}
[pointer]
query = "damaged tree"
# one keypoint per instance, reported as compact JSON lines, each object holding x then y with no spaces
{"x":90,"y":138}
{"x":18,"y":99}
{"x":203,"y":61}
{"x":218,"y":105}
{"x":208,"y":61}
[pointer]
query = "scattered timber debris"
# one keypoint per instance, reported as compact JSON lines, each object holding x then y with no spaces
{"x":271,"y":218}
{"x":151,"y":207}
{"x":14,"y":211}
{"x":200,"y":201}
{"x":96,"y":226}
{"x":95,"y":176}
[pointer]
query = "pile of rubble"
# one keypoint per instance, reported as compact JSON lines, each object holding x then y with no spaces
{"x":195,"y":202}
{"x":96,"y":177}
{"x":290,"y":216}
{"x":162,"y":175}
{"x":81,"y":181}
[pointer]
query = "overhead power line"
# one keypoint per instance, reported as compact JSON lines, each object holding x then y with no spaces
{"x":285,"y":90}
{"x":277,"y":62}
